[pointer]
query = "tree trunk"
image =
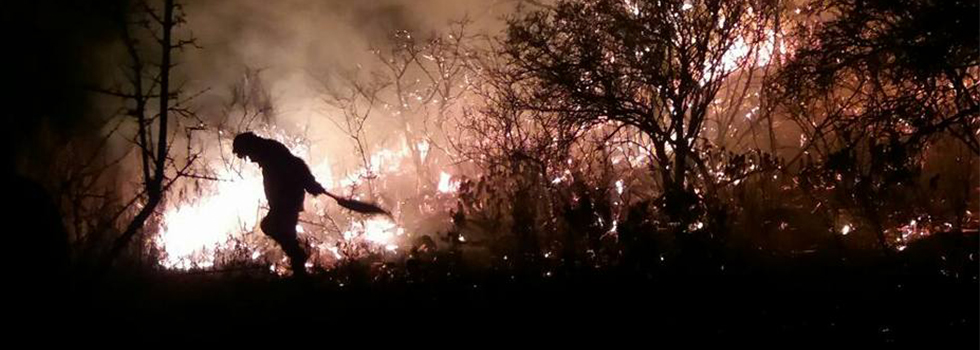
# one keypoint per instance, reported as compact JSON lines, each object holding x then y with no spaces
{"x":168,"y":12}
{"x":154,"y":187}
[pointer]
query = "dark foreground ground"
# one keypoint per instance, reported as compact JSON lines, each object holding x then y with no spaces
{"x":920,"y":297}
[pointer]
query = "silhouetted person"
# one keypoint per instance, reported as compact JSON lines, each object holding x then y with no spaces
{"x":286,"y":179}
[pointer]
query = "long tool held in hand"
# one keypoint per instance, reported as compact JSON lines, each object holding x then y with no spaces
{"x":358,"y":206}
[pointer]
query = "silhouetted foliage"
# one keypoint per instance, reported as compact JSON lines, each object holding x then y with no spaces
{"x":874,"y":84}
{"x":651,"y":65}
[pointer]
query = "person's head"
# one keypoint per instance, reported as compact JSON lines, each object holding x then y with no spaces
{"x":245,"y":144}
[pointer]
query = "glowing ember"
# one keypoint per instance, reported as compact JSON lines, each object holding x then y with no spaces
{"x":446,"y":183}
{"x":423,"y":147}
{"x":741,"y":50}
{"x":383,"y":161}
{"x":377,"y":230}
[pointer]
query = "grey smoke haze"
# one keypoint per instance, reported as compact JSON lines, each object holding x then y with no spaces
{"x":296,"y":42}
{"x":74,"y":44}
{"x":293,"y":39}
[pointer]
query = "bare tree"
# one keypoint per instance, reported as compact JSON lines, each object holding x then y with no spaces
{"x":871,"y":87}
{"x":148,"y":81}
{"x":357,"y":100}
{"x":415,"y":85}
{"x":656,"y":66}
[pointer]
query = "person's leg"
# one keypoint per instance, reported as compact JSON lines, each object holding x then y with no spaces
{"x":281,"y":226}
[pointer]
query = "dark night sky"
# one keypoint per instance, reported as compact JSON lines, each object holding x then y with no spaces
{"x":51,"y":58}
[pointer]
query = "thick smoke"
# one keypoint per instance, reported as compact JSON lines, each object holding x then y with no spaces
{"x":298,"y":46}
{"x":295,"y":42}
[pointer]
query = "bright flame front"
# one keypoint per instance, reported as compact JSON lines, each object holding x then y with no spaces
{"x":191,"y":232}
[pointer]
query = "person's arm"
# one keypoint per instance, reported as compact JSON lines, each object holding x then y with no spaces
{"x":309,"y":181}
